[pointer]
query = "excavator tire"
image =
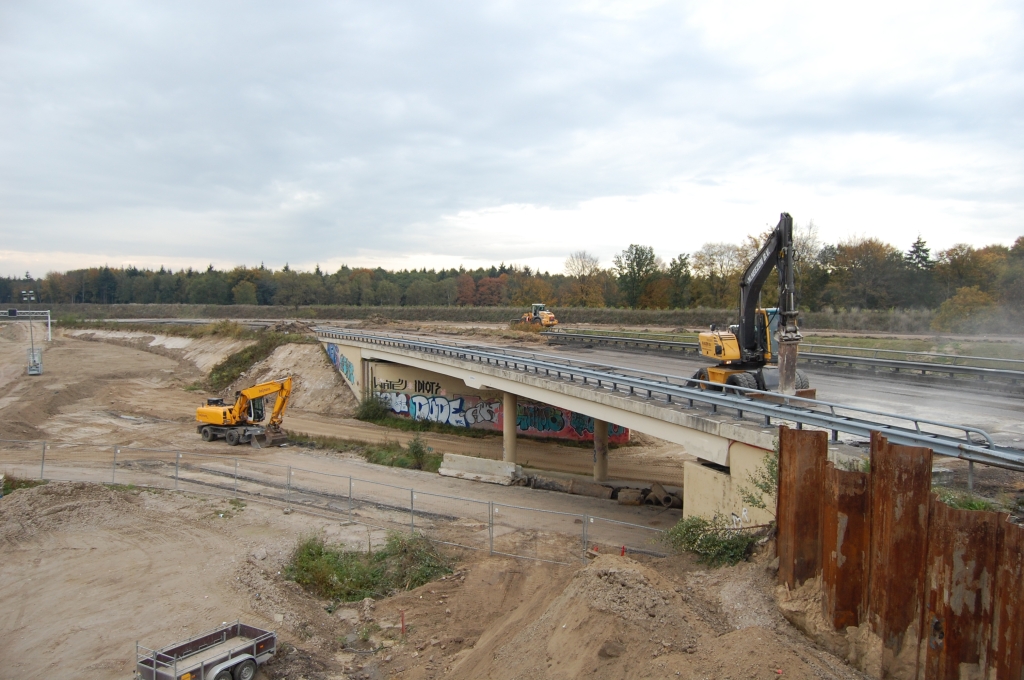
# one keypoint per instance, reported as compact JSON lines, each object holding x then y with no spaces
{"x":702,"y":374}
{"x":232,"y":437}
{"x":207,"y":434}
{"x":802,"y":383}
{"x":747,"y":380}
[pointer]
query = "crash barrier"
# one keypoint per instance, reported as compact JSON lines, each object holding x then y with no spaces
{"x":499,"y":528}
{"x":914,"y":587}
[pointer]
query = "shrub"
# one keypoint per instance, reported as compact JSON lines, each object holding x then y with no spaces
{"x":963,"y":500}
{"x":714,"y":541}
{"x":403,"y":563}
{"x":373,"y":407}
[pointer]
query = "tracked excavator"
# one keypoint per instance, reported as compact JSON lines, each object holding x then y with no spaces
{"x":240,"y":423}
{"x":760,"y":351}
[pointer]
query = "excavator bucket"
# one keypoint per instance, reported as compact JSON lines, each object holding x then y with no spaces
{"x":268,"y":440}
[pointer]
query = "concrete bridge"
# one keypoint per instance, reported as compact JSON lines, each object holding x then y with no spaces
{"x":728,"y":434}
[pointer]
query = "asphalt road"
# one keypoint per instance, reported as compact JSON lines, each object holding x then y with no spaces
{"x":1000,"y":415}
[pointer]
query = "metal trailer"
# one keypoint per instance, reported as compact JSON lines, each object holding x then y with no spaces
{"x":230,"y":652}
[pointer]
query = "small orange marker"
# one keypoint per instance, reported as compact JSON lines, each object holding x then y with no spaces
{"x":403,"y":624}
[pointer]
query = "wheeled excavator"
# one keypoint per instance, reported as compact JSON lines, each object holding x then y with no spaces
{"x":240,"y":423}
{"x":760,"y":351}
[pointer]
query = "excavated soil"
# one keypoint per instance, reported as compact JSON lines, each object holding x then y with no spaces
{"x":90,"y":569}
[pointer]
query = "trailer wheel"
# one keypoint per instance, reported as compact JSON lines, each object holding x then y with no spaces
{"x":232,"y":437}
{"x":207,"y":434}
{"x":245,"y":670}
{"x":223,"y":675}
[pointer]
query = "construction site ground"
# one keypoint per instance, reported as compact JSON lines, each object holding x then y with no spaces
{"x":90,"y":569}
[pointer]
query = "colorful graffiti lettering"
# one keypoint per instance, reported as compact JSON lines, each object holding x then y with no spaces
{"x":396,"y":401}
{"x":472,"y":411}
{"x":341,"y":362}
{"x":483,"y":412}
{"x":584,"y":427}
{"x":540,"y":418}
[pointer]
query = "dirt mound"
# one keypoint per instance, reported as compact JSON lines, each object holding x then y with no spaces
{"x":317,"y":386}
{"x":617,"y":618}
{"x":292,"y":327}
{"x":60,"y":505}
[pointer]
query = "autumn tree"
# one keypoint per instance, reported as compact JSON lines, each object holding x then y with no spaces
{"x":635,"y":267}
{"x":583,"y":289}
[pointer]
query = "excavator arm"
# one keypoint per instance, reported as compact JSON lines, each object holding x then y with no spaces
{"x":778,"y":252}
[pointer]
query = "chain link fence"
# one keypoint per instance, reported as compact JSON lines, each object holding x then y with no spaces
{"x":498,"y":528}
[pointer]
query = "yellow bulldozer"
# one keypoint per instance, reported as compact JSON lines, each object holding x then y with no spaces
{"x":537,"y":316}
{"x":240,"y":423}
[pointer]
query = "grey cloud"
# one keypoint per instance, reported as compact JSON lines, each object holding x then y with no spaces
{"x":122,"y":116}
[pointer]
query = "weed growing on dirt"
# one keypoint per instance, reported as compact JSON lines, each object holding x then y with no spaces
{"x":372,"y":408}
{"x":403,"y":563}
{"x":714,"y":541}
{"x":764,"y":483}
{"x":15,"y":483}
{"x":963,"y":500}
{"x":389,"y":453}
{"x":229,"y":370}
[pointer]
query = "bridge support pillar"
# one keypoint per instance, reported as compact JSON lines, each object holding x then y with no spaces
{"x":509,"y":428}
{"x":600,"y":450}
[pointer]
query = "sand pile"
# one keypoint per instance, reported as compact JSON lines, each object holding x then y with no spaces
{"x":317,"y":385}
{"x":62,"y":506}
{"x":617,"y":618}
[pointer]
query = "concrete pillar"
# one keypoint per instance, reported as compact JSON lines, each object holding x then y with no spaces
{"x":600,"y":450}
{"x":509,"y":417}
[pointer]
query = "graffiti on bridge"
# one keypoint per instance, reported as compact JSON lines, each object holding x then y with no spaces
{"x":539,"y":420}
{"x":341,"y":362}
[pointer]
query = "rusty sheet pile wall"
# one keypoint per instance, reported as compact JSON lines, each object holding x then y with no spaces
{"x":911,"y":587}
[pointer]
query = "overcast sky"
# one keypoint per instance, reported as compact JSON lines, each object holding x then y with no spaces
{"x":409,"y":134}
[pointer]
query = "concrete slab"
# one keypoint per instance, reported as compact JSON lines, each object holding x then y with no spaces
{"x":480,"y":469}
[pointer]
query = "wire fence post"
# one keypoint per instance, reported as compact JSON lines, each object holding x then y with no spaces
{"x":236,"y":478}
{"x":350,"y":498}
{"x":177,"y":464}
{"x":42,"y":463}
{"x":288,"y":489}
{"x":490,"y":524}
{"x":412,"y":512}
{"x":586,"y":518}
{"x":113,"y":468}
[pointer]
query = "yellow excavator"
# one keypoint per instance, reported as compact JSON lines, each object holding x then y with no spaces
{"x":760,"y":351}
{"x":537,"y":316}
{"x":240,"y":422}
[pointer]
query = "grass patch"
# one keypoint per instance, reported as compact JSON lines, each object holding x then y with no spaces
{"x":229,"y":370}
{"x":963,"y":500}
{"x":403,"y":563}
{"x":713,"y":540}
{"x":223,"y":329}
{"x":416,"y":456}
{"x":12,"y":484}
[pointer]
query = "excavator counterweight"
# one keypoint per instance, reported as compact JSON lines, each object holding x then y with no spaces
{"x":241,"y":422}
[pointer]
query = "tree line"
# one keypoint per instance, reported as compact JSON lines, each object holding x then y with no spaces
{"x":855,"y":274}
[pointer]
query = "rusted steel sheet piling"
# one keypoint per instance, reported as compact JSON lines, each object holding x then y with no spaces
{"x":802,"y":457}
{"x":1008,"y":618}
{"x":845,"y":542}
{"x":960,"y":587}
{"x":900,"y":501}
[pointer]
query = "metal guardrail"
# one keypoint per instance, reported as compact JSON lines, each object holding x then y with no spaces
{"x":925,"y":367}
{"x":947,"y":439}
